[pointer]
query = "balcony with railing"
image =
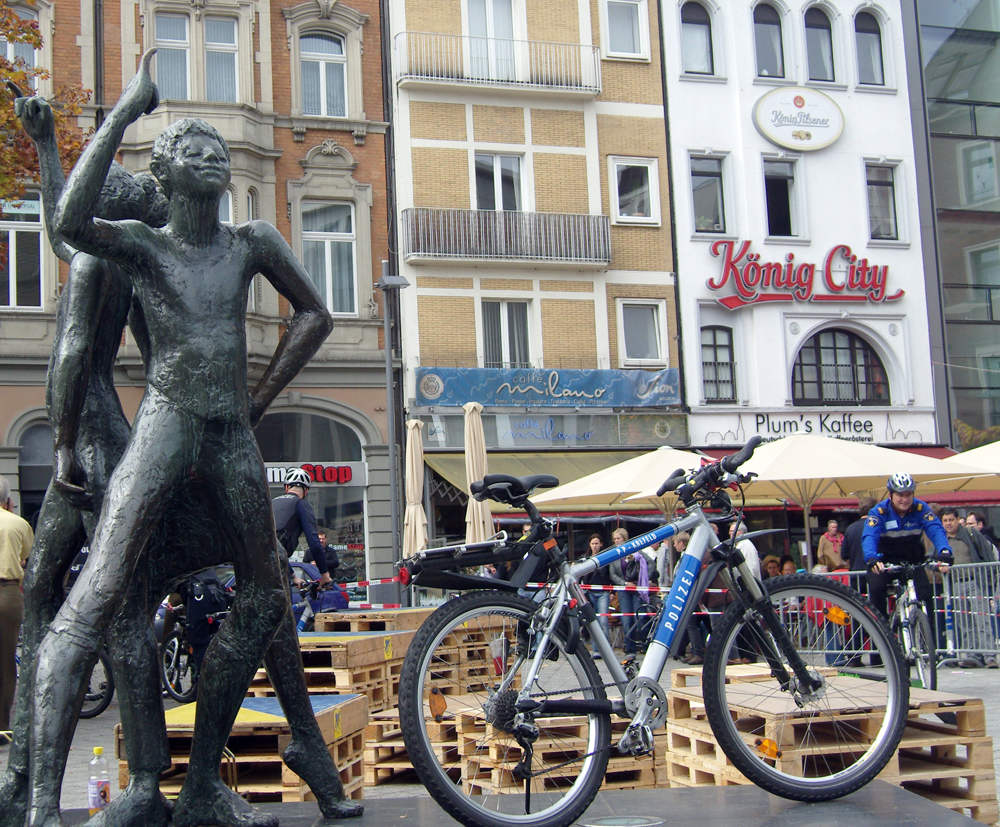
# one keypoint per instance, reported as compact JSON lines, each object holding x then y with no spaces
{"x":440,"y":236}
{"x":424,"y":58}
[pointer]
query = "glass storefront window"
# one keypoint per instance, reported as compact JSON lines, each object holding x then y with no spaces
{"x":300,"y":438}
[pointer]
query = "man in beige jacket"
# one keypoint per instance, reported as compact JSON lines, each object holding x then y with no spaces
{"x":16,"y":538}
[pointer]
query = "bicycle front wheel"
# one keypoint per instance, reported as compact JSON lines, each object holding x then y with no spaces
{"x":100,"y":688}
{"x":799,"y":742}
{"x":924,"y":651}
{"x":457,"y":696}
{"x":177,"y":668}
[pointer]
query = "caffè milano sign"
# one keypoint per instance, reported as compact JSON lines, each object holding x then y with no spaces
{"x":797,"y":118}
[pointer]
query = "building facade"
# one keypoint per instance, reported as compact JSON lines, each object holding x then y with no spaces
{"x":295,"y":89}
{"x":955,"y":44}
{"x":800,"y":265}
{"x":534,"y":223}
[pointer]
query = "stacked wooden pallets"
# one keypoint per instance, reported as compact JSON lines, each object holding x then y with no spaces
{"x":362,"y":663}
{"x":944,"y":755}
{"x":386,"y":620}
{"x":253,"y":765}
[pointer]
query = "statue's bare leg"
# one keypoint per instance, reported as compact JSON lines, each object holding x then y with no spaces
{"x":59,"y":537}
{"x":231,"y":464}
{"x":307,"y":755}
{"x":134,"y":655}
{"x":158,"y":459}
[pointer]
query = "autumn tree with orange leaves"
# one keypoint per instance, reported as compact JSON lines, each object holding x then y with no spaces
{"x":18,"y":161}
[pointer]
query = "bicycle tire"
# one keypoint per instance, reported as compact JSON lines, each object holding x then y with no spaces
{"x":178,"y":671}
{"x":924,"y":649}
{"x":809,"y":748}
{"x":100,"y":688}
{"x":451,"y":664}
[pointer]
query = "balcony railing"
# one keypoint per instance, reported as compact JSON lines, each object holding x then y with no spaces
{"x":489,"y":61}
{"x":475,"y":235}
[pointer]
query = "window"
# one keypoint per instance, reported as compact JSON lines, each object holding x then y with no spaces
{"x":498,"y":182}
{"x":779,"y":188}
{"x":226,"y":209}
{"x":696,"y":40}
{"x":328,"y":253}
{"x":838,"y":367}
{"x":220,"y":60}
{"x":627,"y":28}
{"x":718,"y":365}
{"x":819,"y":45}
{"x":868,"y":38}
{"x":21,"y":232}
{"x":505,"y":334}
{"x":491,"y":41}
{"x":635,"y":191}
{"x":324,"y":75}
{"x":881,"y":202}
{"x":641,"y":329}
{"x":254,"y":302}
{"x":767,"y":41}
{"x":706,"y":188}
{"x":172,"y":57}
{"x":19,"y":51}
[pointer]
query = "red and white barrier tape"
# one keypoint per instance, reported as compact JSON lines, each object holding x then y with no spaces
{"x":356,"y":605}
{"x":361,"y":583}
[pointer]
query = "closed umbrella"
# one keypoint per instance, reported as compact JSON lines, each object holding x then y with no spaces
{"x":478,"y":522}
{"x":414,"y":520}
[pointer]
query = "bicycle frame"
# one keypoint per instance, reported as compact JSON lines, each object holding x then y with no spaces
{"x":690,"y":582}
{"x":904,"y":601}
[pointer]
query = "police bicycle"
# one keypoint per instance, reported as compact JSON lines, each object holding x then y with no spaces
{"x":910,"y":623}
{"x":507,"y":717}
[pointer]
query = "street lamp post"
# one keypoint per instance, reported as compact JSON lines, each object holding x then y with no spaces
{"x":389,"y":284}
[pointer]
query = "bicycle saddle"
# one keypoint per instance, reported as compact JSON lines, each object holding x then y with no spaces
{"x":506,"y":489}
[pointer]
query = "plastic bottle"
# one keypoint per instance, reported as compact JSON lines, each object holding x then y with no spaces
{"x":99,"y":786}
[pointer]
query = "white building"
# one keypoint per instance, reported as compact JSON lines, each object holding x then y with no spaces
{"x":799,"y":262}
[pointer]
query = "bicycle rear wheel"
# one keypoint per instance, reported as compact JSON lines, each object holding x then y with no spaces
{"x":100,"y":688}
{"x":800,"y":744}
{"x":924,"y":650}
{"x":177,"y":668}
{"x":459,"y":729}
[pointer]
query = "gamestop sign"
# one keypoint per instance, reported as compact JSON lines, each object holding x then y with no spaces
{"x":341,"y":474}
{"x":841,"y":276}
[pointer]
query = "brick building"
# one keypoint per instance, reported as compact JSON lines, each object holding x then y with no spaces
{"x":295,"y":88}
{"x":534,"y":225}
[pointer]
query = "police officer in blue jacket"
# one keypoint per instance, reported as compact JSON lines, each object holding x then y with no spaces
{"x":894,"y":534}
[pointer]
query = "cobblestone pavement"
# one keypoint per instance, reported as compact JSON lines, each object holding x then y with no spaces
{"x":99,"y":732}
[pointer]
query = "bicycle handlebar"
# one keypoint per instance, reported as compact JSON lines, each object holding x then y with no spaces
{"x":711,"y":475}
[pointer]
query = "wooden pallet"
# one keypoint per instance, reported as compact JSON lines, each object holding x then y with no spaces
{"x":387,"y":620}
{"x":256,"y":743}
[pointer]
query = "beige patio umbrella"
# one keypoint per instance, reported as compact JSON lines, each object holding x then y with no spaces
{"x":414,"y":519}
{"x":986,"y":457}
{"x":805,"y":467}
{"x":478,"y":522}
{"x":614,"y":484}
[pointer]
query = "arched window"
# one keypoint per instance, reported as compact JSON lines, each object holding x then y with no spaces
{"x":718,"y":364}
{"x":696,"y":40}
{"x":819,"y":45}
{"x":838,"y":367}
{"x":324,"y":75}
{"x":868,"y":37}
{"x":302,"y":437}
{"x":767,"y":41}
{"x":19,"y":51}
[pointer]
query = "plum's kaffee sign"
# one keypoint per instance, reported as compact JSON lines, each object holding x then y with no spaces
{"x":842,"y":276}
{"x":798,"y":118}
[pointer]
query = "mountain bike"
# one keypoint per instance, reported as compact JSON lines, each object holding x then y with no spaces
{"x":910,"y":624}
{"x":508,"y":719}
{"x":100,"y":688}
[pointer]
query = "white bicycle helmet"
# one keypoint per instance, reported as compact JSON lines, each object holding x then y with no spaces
{"x":296,"y":476}
{"x":900,"y":483}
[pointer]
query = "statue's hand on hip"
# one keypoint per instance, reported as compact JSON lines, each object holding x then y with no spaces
{"x":68,"y":479}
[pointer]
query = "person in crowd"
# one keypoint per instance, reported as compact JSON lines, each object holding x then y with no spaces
{"x":969,"y":546}
{"x":788,"y":565}
{"x":329,"y":552}
{"x":772,"y":566}
{"x":698,"y":628}
{"x":600,"y":600}
{"x":16,"y":538}
{"x":828,"y":553}
{"x":850,"y":549}
{"x":628,"y":601}
{"x":977,"y":520}
{"x":746,"y":547}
